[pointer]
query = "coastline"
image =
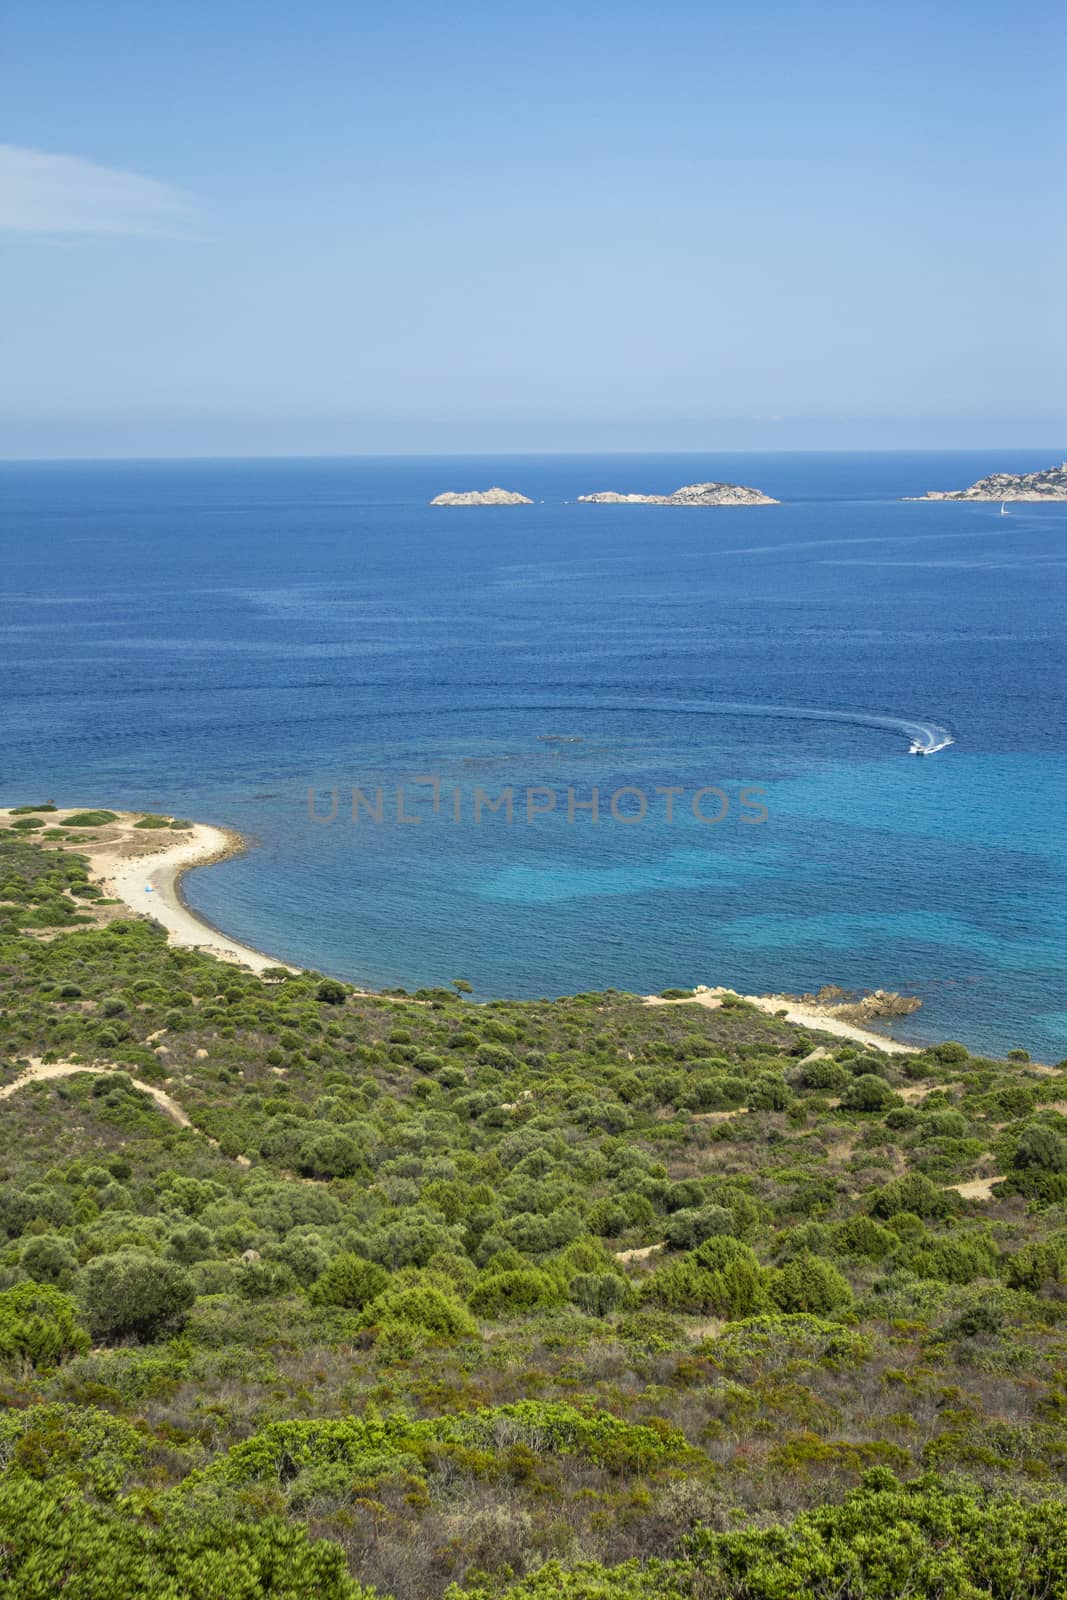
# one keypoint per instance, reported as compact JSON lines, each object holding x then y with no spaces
{"x":160,"y":875}
{"x":145,"y":873}
{"x":797,"y":1012}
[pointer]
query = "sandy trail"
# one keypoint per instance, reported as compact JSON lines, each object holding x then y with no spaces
{"x":40,"y":1071}
{"x":641,"y":1254}
{"x":977,"y":1188}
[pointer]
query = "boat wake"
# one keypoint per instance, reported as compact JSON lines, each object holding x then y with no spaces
{"x":925,"y":738}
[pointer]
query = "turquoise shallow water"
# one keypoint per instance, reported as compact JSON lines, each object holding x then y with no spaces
{"x":218,"y":638}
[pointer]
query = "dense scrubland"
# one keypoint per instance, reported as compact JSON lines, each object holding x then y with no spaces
{"x":575,"y":1297}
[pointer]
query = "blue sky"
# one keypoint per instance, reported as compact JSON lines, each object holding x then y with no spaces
{"x":264,"y":228}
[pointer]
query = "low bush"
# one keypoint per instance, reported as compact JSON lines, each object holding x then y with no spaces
{"x":39,"y":1325}
{"x":431,"y":1310}
{"x":134,"y":1295}
{"x":810,"y":1283}
{"x":509,"y":1293}
{"x":349,"y":1281}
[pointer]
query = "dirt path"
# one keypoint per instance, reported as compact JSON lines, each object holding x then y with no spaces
{"x":977,"y":1188}
{"x":42,"y":1071}
{"x":641,"y":1254}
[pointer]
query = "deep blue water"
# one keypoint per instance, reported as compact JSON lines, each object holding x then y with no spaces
{"x":215,"y":638}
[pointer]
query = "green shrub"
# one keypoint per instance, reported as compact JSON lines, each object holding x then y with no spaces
{"x":722,"y":1277}
{"x":810,"y":1283}
{"x":1041,"y":1149}
{"x":431,"y":1310}
{"x":132,"y":1294}
{"x":949,"y":1260}
{"x":39,"y":1324}
{"x":600,"y":1293}
{"x":331,"y":993}
{"x":328,"y":1155}
{"x":58,"y":1543}
{"x":862,"y":1236}
{"x":888,"y":1539}
{"x":764,"y":1344}
{"x":824,"y":1074}
{"x":511,"y":1293}
{"x":973,"y":1323}
{"x":868,"y":1093}
{"x":912,"y":1193}
{"x":1037,"y":1265}
{"x":688,"y":1228}
{"x":263,"y":1280}
{"x":951,"y":1053}
{"x":194,"y":1243}
{"x":90,"y":819}
{"x":769,"y":1093}
{"x":349,"y":1281}
{"x":49,"y":1258}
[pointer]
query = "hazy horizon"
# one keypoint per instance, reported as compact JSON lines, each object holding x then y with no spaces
{"x":1055,"y":454}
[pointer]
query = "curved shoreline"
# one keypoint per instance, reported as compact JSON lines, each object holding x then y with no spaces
{"x":144,"y":869}
{"x":218,"y":844}
{"x":149,"y":882}
{"x":161,"y":874}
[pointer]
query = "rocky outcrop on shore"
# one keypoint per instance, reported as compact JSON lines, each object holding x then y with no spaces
{"x":482,"y":497}
{"x":836,"y":1002}
{"x":1048,"y":485}
{"x":690,"y":494}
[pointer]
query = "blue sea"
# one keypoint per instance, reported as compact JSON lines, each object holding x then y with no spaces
{"x":248,"y":642}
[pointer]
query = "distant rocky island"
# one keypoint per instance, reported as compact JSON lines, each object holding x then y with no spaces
{"x":482,"y":497}
{"x":690,"y":494}
{"x":1048,"y":485}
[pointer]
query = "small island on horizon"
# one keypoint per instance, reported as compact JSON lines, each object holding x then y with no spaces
{"x":1051,"y":484}
{"x":690,"y":494}
{"x":481,"y":497}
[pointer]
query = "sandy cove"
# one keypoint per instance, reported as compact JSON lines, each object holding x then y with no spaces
{"x":144,"y":868}
{"x":151,"y":885}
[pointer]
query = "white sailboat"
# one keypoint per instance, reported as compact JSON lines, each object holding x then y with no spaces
{"x":1003,"y":508}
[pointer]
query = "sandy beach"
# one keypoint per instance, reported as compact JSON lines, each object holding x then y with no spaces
{"x":144,"y":868}
{"x":151,"y":885}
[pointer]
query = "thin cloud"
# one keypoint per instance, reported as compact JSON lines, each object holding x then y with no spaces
{"x":43,"y":193}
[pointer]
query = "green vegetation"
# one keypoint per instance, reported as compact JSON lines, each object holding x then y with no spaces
{"x":507,"y":1301}
{"x":90,"y":819}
